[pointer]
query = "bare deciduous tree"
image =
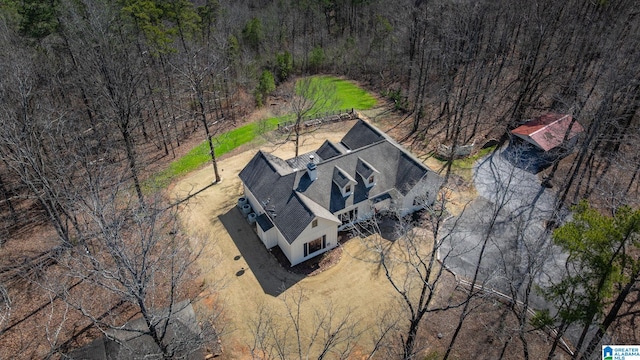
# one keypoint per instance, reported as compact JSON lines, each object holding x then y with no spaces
{"x":5,"y":305}
{"x":411,"y":266}
{"x":309,"y":98}
{"x":33,"y":140}
{"x":331,"y":333}
{"x":200,"y":70}
{"x":502,"y":180}
{"x":140,"y":257}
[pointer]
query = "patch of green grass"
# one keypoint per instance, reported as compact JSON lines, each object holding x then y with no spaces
{"x":199,"y":155}
{"x":467,"y":163}
{"x":434,"y":355}
{"x":347,"y":95}
{"x":463,"y":167}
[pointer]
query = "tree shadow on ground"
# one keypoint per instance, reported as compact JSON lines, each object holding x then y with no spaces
{"x":387,"y":225}
{"x":532,"y":159}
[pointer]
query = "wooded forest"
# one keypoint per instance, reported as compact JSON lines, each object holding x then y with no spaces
{"x":97,"y":96}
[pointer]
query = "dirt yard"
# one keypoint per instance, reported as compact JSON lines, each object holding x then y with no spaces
{"x":247,"y":279}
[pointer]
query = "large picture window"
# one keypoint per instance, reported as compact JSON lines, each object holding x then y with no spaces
{"x":315,"y":245}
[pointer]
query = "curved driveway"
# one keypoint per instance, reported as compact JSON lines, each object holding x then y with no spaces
{"x":508,"y":217}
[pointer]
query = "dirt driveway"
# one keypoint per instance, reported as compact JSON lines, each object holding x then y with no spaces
{"x":248,"y":279}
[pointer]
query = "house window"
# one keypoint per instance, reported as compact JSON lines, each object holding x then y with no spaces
{"x":371,"y":179}
{"x":314,"y":223}
{"x":315,"y":245}
{"x":347,"y":189}
{"x":421,"y":200}
{"x":349,"y":216}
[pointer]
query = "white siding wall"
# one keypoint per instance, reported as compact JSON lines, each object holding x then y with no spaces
{"x":420,"y":188}
{"x":365,"y":210}
{"x":255,"y":204}
{"x":295,"y":251}
{"x":269,"y":238}
{"x":406,"y":206}
{"x":383,"y":205}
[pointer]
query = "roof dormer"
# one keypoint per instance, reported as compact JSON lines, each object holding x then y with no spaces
{"x":344,"y":181}
{"x":368,"y":173}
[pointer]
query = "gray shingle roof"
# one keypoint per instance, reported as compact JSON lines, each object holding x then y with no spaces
{"x":292,"y":217}
{"x":386,"y":157}
{"x":274,"y":192}
{"x":281,"y":166}
{"x":264,"y":222}
{"x":340,"y":177}
{"x":301,"y":161}
{"x":292,"y":200}
{"x":360,"y":135}
{"x":317,"y":209}
{"x":408,"y":171}
{"x":328,"y":150}
{"x":364,"y":168}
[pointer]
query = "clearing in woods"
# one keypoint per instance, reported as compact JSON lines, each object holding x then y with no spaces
{"x":351,"y":285}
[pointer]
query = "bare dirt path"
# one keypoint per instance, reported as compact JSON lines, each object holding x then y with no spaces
{"x":245,"y":275}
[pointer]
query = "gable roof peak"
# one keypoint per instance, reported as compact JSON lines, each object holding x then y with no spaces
{"x":364,"y":168}
{"x":549,"y":130}
{"x":341,"y":177}
{"x":361,"y":135}
{"x":278,"y":164}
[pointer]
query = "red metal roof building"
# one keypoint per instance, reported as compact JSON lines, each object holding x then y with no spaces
{"x":548,"y":131}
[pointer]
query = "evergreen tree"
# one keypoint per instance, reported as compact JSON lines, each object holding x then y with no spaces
{"x":602,"y":263}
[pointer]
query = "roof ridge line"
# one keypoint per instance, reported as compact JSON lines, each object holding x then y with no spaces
{"x":349,"y":151}
{"x":345,"y":173}
{"x":303,"y":199}
{"x":551,"y":123}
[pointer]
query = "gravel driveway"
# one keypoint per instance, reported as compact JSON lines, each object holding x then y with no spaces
{"x":509,"y":216}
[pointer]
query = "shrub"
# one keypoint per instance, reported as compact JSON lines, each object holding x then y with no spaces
{"x":284,"y":63}
{"x":400,"y":102}
{"x":266,"y":85}
{"x":316,"y":58}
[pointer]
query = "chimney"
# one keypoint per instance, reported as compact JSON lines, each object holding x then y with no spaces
{"x":312,"y":169}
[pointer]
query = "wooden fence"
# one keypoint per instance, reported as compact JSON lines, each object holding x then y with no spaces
{"x":328,"y":117}
{"x":504,"y":298}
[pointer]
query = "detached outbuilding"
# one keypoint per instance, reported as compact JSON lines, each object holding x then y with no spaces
{"x":539,"y":142}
